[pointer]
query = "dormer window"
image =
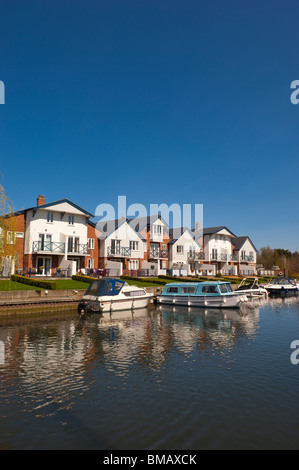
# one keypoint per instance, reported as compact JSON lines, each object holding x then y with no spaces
{"x":50,"y":217}
{"x":71,"y":220}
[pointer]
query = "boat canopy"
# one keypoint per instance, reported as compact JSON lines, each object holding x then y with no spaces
{"x":283,"y":280}
{"x":101,"y":287}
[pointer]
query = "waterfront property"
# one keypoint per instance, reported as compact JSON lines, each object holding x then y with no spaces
{"x":62,"y":237}
{"x":51,"y":238}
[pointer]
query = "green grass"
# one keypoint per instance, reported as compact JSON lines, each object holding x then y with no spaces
{"x":132,"y":282}
{"x":70,"y":284}
{"x":6,"y":285}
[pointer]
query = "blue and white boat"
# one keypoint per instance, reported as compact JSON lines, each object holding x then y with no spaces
{"x":201,"y":294}
{"x":282,"y":285}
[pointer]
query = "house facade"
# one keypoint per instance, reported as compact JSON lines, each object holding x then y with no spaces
{"x":183,"y":249}
{"x":121,"y":247}
{"x":245,"y":253}
{"x":53,"y":237}
{"x":154,"y":230}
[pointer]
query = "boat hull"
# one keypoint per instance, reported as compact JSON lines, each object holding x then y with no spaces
{"x":217,"y":301}
{"x":104,"y":305}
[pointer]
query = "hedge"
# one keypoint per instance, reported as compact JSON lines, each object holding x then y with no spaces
{"x":51,"y":285}
{"x":83,"y":278}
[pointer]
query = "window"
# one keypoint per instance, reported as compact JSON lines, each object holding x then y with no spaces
{"x":71,"y":220}
{"x":133,"y":245}
{"x":225,"y":288}
{"x":243,"y":255}
{"x":73,"y":244}
{"x":157,"y":229}
{"x":50,"y":217}
{"x":180,"y":249}
{"x":209,"y":290}
{"x":188,"y":290}
{"x":172,"y":289}
{"x":90,"y":263}
{"x":90,"y":243}
{"x":10,"y":238}
{"x":20,"y":234}
{"x":133,"y":264}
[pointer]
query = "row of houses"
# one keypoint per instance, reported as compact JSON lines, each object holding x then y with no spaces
{"x":61,"y":237}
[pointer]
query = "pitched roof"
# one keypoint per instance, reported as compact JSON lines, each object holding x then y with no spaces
{"x":109,"y":226}
{"x":176,"y":233}
{"x":49,"y":204}
{"x":239,"y":242}
{"x":140,"y":222}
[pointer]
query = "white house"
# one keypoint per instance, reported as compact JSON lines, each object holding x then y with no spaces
{"x":245,"y":253}
{"x":56,"y":236}
{"x":120,"y":245}
{"x":183,"y":250}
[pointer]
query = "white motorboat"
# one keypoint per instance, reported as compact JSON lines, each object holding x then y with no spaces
{"x":200,"y":294}
{"x":107,"y":295}
{"x":282,"y":285}
{"x":251,"y":288}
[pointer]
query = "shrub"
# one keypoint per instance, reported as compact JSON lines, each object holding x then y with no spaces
{"x":51,"y":285}
{"x":83,"y":278}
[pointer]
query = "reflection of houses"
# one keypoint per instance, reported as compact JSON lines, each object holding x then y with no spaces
{"x":54,"y":236}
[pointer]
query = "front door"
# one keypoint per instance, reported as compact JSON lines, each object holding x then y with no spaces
{"x":43,"y":266}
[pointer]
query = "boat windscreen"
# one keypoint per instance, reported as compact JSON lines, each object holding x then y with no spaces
{"x":101,"y":287}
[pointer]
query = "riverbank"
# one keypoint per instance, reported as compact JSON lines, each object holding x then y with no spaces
{"x":28,"y":301}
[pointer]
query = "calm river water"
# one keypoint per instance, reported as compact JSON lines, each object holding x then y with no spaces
{"x":180,"y":379}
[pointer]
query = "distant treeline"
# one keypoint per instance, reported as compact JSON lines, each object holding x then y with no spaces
{"x":284,"y":259}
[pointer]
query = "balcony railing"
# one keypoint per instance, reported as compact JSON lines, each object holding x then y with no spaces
{"x":194,"y":256}
{"x":156,"y":253}
{"x":248,"y":258}
{"x":119,"y":251}
{"x":223,"y":257}
{"x":78,"y":249}
{"x":49,"y":247}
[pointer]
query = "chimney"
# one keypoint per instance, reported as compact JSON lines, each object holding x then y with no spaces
{"x":197,"y":226}
{"x":41,"y":200}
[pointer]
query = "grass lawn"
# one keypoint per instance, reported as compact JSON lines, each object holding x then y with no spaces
{"x":70,"y":284}
{"x":12,"y":285}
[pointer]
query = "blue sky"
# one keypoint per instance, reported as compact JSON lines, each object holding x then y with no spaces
{"x":182,"y":102}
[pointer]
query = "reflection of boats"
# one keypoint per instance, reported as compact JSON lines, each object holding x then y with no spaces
{"x":251,"y":289}
{"x":107,"y":295}
{"x":282,"y":285}
{"x":200,"y":294}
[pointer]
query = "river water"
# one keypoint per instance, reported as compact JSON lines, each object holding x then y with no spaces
{"x":163,"y":378}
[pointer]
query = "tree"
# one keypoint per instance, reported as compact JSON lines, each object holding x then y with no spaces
{"x":8,"y":252}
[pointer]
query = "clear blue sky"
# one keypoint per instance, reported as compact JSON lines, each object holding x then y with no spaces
{"x":163,"y":101}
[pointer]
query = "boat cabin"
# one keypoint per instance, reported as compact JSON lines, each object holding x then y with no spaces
{"x":102,"y":287}
{"x":197,"y":288}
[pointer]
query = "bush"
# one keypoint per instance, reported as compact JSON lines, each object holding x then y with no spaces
{"x":83,"y":278}
{"x":51,"y":285}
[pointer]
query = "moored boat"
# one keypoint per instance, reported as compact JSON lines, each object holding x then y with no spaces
{"x":201,"y":294}
{"x":282,"y":285}
{"x":251,"y":288}
{"x":107,"y":295}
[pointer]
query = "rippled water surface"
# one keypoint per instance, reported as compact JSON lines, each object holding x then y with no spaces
{"x":178,"y":379}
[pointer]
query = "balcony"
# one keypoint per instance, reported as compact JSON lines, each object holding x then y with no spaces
{"x":223,"y":257}
{"x":195,"y":256}
{"x":157,"y":254}
{"x":48,"y":247}
{"x":119,"y":251}
{"x":78,"y":249}
{"x":248,"y":258}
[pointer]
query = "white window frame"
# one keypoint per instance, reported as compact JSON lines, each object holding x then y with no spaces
{"x":50,"y":217}
{"x":71,"y":220}
{"x":90,"y":243}
{"x":133,"y":245}
{"x":180,"y":249}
